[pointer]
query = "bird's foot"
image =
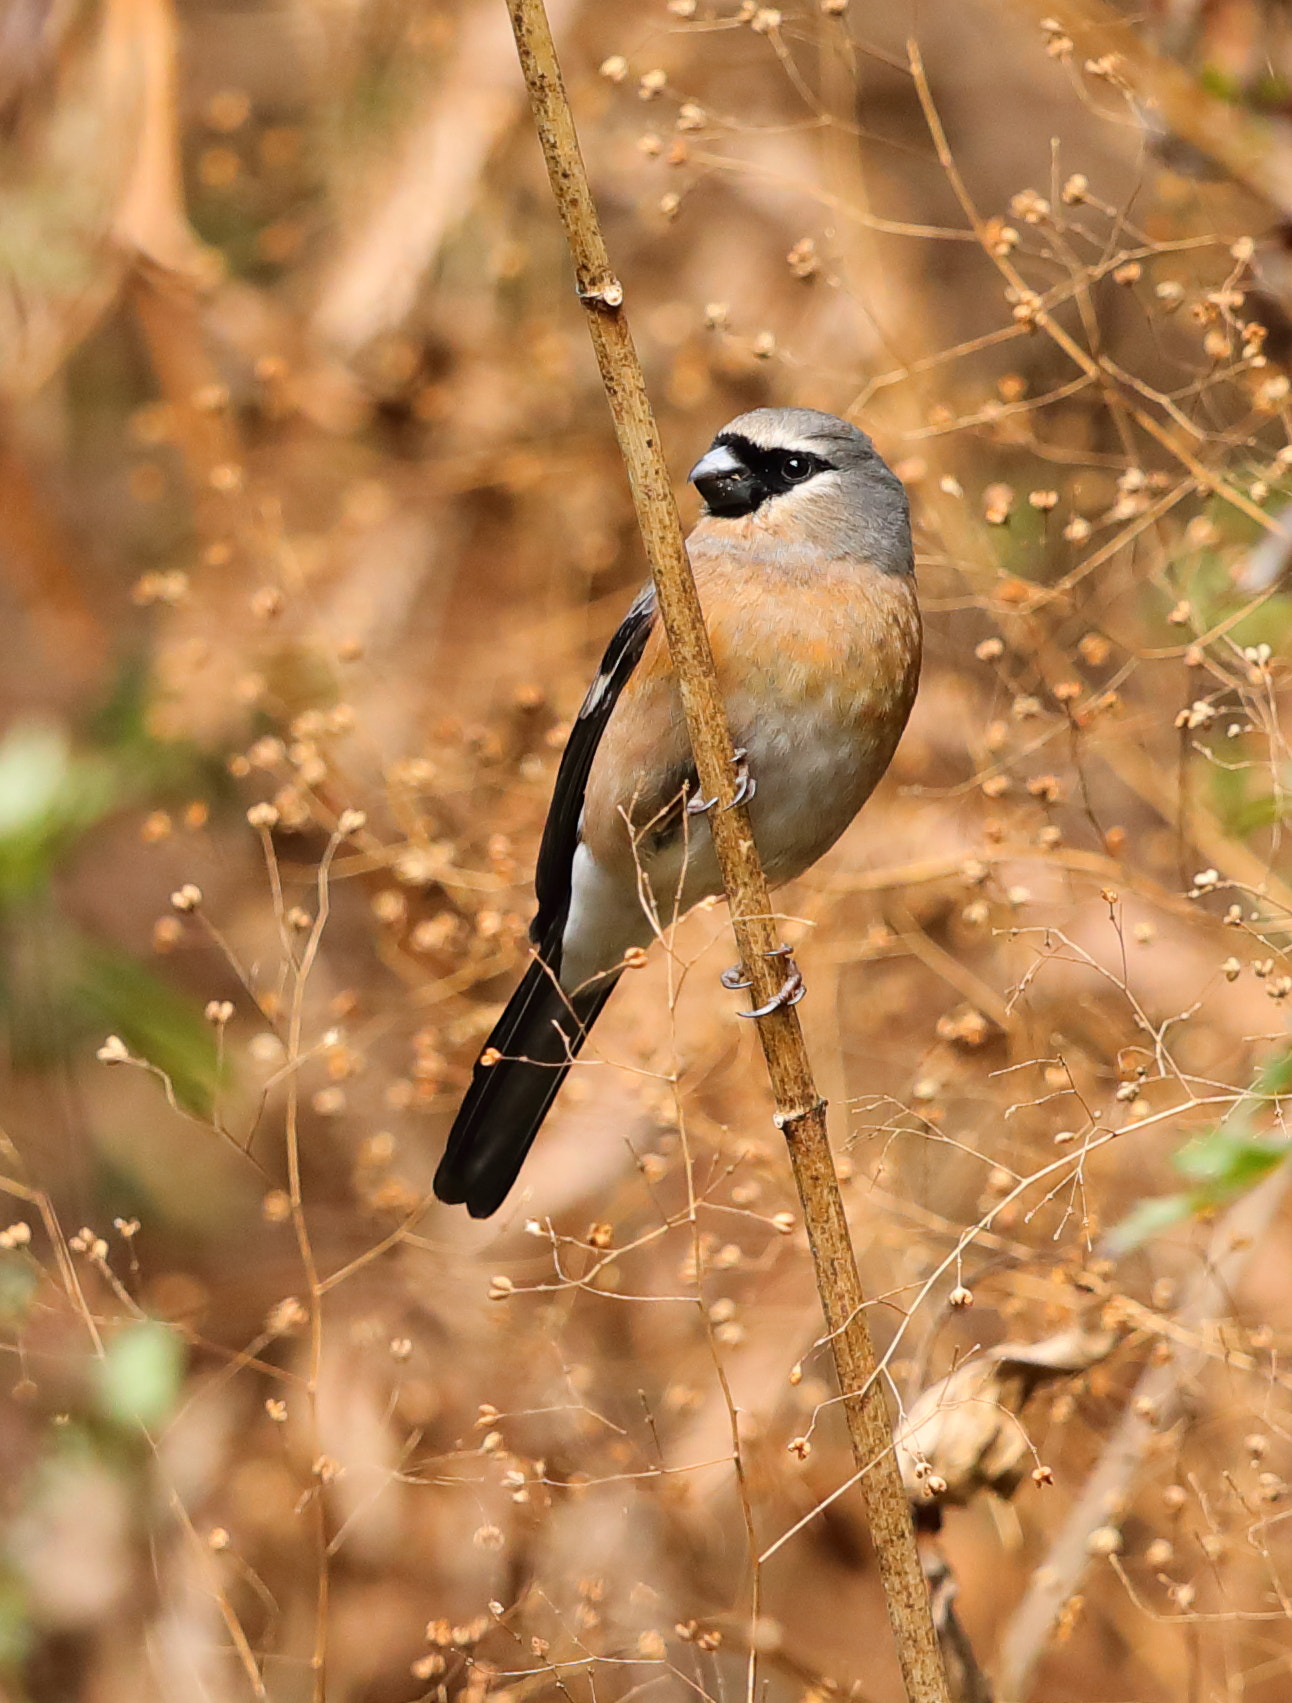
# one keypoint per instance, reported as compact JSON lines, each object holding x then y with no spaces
{"x":789,"y":993}
{"x":746,"y":787}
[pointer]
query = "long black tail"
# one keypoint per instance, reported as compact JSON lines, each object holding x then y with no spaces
{"x":538,"y":1037}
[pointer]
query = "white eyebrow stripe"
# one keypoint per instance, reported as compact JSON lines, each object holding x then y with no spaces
{"x":792,"y":446}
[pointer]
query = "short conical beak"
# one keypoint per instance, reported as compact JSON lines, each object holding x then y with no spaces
{"x":723,"y":480}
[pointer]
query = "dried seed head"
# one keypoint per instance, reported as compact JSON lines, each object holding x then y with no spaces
{"x":1029,"y":206}
{"x":1000,"y":238}
{"x":267,"y":602}
{"x":288,"y":1316}
{"x":1027,"y":308}
{"x":226,"y":477}
{"x":1107,"y":68}
{"x":276,"y":1207}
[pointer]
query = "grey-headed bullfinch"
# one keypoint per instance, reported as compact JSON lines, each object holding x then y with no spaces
{"x":805,"y":571}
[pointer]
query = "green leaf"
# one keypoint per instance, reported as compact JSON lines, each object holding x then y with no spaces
{"x":1150,"y":1218}
{"x":18,"y":1283}
{"x":120,"y":997}
{"x":15,"y":1626}
{"x":140,"y":1375}
{"x":59,"y":986}
{"x":1227,"y":1162}
{"x":1224,"y":1163}
{"x":48,"y":797}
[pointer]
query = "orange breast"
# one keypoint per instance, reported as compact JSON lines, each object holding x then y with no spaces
{"x":832,"y":652}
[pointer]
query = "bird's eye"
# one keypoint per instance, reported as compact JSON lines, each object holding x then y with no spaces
{"x":796,"y":468}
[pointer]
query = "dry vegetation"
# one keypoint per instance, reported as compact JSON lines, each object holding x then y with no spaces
{"x":311,"y":525}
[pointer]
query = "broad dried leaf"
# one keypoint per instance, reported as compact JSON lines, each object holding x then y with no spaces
{"x":966,"y":1430}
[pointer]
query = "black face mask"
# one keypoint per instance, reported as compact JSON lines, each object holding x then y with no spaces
{"x":737,"y":476}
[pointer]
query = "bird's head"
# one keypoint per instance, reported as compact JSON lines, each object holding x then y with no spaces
{"x":801,"y":475}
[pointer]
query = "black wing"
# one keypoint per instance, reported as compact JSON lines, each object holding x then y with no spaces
{"x":561,"y":833}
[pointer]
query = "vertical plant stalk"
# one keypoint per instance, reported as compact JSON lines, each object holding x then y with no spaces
{"x":800,"y":1110}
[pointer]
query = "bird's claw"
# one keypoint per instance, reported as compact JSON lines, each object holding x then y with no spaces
{"x":746,"y":787}
{"x":789,"y":993}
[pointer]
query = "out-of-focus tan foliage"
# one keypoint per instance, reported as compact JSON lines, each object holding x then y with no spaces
{"x":311,"y":526}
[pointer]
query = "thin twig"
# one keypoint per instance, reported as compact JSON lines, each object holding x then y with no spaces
{"x":800,"y":1110}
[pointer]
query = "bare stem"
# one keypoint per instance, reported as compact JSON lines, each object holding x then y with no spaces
{"x":800,"y":1110}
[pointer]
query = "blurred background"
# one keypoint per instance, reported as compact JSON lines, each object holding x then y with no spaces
{"x":312,"y":526}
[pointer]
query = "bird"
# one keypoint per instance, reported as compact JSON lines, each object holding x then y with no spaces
{"x":804,"y":565}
